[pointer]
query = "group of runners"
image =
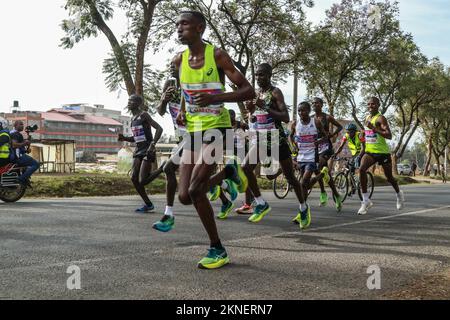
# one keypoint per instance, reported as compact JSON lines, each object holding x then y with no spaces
{"x":209,"y":134}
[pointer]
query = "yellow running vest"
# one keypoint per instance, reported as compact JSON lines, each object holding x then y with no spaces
{"x":203,"y":80}
{"x":354,"y":147}
{"x":375,"y":143}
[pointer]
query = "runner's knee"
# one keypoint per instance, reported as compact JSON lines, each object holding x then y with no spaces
{"x":196,"y":190}
{"x":184,"y":198}
{"x":292,"y":180}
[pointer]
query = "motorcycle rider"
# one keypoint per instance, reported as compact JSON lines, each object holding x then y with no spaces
{"x":20,"y":147}
{"x":5,"y":144}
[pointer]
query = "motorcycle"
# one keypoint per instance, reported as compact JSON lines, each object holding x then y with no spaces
{"x":10,"y":188}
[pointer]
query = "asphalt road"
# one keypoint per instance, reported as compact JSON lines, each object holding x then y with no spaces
{"x":121,"y":257}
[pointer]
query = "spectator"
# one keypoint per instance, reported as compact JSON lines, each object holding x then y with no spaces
{"x":414,"y":168}
{"x":444,"y":174}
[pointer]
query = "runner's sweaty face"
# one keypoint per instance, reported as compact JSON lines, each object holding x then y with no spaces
{"x":134,"y":103}
{"x":263,"y":77}
{"x":188,"y":29}
{"x":303,"y":112}
{"x":373,"y":106}
{"x":317,"y":106}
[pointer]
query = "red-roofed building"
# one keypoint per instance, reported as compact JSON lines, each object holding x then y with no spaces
{"x":90,"y":132}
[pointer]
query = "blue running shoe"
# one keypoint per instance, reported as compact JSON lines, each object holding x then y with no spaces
{"x":214,"y":193}
{"x":165,"y":224}
{"x":216,"y":258}
{"x":146,"y":209}
{"x":226,"y":209}
{"x":232,"y":189}
{"x":238,"y":176}
{"x":305,"y":218}
{"x":259,"y":212}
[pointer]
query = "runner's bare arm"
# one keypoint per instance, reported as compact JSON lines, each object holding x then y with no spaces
{"x":126,"y":139}
{"x":162,"y":106}
{"x":292,"y":133}
{"x":282,"y":113}
{"x":335,"y":123}
{"x":340,"y":148}
{"x":244,"y":90}
{"x":363,"y":144}
{"x":149,"y":122}
{"x":321,"y":130}
{"x":381,"y":127}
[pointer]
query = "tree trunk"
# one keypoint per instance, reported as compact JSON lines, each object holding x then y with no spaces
{"x":438,"y":161}
{"x":426,"y":170}
{"x":115,"y":45}
{"x":141,"y":46}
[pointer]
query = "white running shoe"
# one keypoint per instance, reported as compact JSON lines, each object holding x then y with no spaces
{"x":365,"y":206}
{"x":400,"y":201}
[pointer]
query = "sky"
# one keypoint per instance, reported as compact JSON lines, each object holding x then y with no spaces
{"x":41,"y":75}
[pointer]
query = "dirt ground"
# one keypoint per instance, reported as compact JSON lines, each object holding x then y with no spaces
{"x":431,"y":287}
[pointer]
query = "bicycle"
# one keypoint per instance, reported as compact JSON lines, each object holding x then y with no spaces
{"x":346,"y":179}
{"x":281,"y":187}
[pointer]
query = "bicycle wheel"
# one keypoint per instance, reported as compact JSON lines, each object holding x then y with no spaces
{"x":281,"y":187}
{"x":341,"y":183}
{"x":370,"y":186}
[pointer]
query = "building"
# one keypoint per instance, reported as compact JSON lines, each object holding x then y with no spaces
{"x":99,"y":110}
{"x":94,"y":133}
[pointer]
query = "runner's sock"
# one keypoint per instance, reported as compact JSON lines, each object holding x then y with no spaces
{"x":169,"y":211}
{"x":365,"y":197}
{"x":303,"y":206}
{"x":224,"y":185}
{"x":260,"y":201}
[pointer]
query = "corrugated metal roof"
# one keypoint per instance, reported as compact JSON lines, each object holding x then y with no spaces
{"x":64,"y":116}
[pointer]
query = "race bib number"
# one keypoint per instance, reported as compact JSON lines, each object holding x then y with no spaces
{"x":139,"y":134}
{"x":371,"y":137}
{"x":305,"y":141}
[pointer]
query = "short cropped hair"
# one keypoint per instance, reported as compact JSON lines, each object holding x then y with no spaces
{"x":267,"y":67}
{"x":304,"y":104}
{"x":197,"y":15}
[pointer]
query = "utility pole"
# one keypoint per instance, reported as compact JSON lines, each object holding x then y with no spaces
{"x":294,"y":107}
{"x":445,"y":160}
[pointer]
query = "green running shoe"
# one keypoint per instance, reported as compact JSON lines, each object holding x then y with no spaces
{"x":226,"y":209}
{"x":232,"y":189}
{"x":323,"y":199}
{"x":259,"y":212}
{"x":215,"y":259}
{"x":214,"y":193}
{"x":338,"y":201}
{"x":326,"y":175}
{"x":165,"y":224}
{"x":305,"y":218}
{"x":239,"y":176}
{"x":297,"y":219}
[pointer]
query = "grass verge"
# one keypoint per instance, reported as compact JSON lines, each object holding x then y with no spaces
{"x":102,"y":185}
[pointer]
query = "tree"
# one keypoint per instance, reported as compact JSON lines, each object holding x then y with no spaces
{"x":331,"y":54}
{"x":251,"y":31}
{"x":384,"y":73}
{"x":436,"y":124}
{"x":126,"y":66}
